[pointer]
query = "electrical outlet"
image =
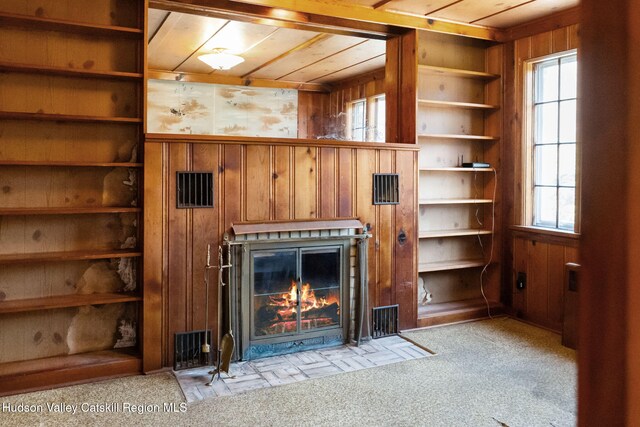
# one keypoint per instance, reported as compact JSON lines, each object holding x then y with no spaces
{"x":521,"y":281}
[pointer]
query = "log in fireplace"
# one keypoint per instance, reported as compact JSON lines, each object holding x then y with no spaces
{"x":294,"y":288}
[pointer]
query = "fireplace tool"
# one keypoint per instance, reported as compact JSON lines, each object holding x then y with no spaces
{"x":227,"y":344}
{"x":206,"y":347}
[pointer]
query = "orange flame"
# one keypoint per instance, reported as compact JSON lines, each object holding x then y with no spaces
{"x":308,"y":301}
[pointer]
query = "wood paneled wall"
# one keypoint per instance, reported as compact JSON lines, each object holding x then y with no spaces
{"x":261,"y":181}
{"x":541,"y":302}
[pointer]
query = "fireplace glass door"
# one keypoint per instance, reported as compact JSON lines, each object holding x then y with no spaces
{"x":295,"y":290}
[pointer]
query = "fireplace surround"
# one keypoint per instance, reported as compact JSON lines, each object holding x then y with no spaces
{"x":295,"y":286}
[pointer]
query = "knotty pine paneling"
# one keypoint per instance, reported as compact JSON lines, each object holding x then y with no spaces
{"x":259,"y":181}
{"x":541,"y":302}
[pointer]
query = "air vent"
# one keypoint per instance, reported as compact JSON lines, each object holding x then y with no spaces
{"x":188,"y":350}
{"x":385,"y":321}
{"x":195,"y":190}
{"x":385,"y":189}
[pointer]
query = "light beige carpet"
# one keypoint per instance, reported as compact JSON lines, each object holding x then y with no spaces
{"x":490,"y":373}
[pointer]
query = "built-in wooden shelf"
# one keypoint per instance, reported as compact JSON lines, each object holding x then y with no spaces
{"x":64,"y":301}
{"x":453,"y":233}
{"x":29,"y":258}
{"x":457,"y":72}
{"x":457,"y":136}
{"x":38,"y":23}
{"x":38,"y":374}
{"x":70,"y":164}
{"x":454,"y":201}
{"x":455,"y":104}
{"x":69,"y":72}
{"x":456,"y":311}
{"x":67,"y":211}
{"x":427,"y":267}
{"x":457,"y":169}
{"x":17,"y":115}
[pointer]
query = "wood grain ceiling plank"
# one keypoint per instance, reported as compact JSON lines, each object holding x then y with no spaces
{"x":470,"y":10}
{"x":309,"y":55}
{"x":503,"y":11}
{"x":236,"y":36}
{"x":155,"y":20}
{"x":297,"y":47}
{"x":341,"y":60}
{"x":367,"y":66}
{"x":380,"y":3}
{"x":178,"y":37}
{"x":527,"y":12}
{"x":417,"y":7}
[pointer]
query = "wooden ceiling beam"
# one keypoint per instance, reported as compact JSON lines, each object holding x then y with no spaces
{"x":235,"y":81}
{"x":328,"y":16}
{"x":304,"y":45}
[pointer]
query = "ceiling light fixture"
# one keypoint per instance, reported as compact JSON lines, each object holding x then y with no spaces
{"x":219,"y":59}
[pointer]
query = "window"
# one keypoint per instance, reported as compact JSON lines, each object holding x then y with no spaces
{"x":552,"y":148}
{"x":367,"y":119}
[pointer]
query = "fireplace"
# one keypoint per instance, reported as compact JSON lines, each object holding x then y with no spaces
{"x":293,"y":290}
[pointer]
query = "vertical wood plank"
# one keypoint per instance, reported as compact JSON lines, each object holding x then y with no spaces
{"x":328,"y":185}
{"x":205,"y":232}
{"x":306,"y":175}
{"x":541,"y":44}
{"x":257,"y":183}
{"x":405,"y":263}
{"x":233,"y":184}
{"x":281,"y":182}
{"x":519,"y":304}
{"x":556,"y":286}
{"x":304,"y":104}
{"x":537,"y":282}
{"x":385,"y":240}
{"x":153,"y":260}
{"x":391,"y":89}
{"x":408,"y":88}
{"x":345,"y":207}
{"x":177,"y":250}
{"x":365,"y":210}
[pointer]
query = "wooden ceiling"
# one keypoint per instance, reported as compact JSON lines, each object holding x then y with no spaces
{"x":273,"y":53}
{"x":489,"y":13}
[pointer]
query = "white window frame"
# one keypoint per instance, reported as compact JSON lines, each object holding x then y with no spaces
{"x":371,"y":131}
{"x":528,"y":160}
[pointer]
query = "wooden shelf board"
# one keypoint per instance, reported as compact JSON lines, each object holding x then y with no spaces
{"x":454,"y":104}
{"x":38,"y":23}
{"x":67,"y":256}
{"x":69,"y":164}
{"x":456,"y":311}
{"x":457,"y":136}
{"x":66,"y":211}
{"x":69,"y":72}
{"x":428,"y":267}
{"x":64,"y":301}
{"x":457,"y":169}
{"x":457,"y":72}
{"x":17,"y":115}
{"x":453,"y":233}
{"x":454,"y":201}
{"x":38,"y":374}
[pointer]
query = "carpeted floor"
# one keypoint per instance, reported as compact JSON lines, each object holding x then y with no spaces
{"x":490,"y":373}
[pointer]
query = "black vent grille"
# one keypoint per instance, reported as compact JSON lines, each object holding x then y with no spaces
{"x":385,"y":189}
{"x":385,"y":321}
{"x":188,"y":350}
{"x":195,"y":189}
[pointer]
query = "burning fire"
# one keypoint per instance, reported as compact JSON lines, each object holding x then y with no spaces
{"x":288,"y":302}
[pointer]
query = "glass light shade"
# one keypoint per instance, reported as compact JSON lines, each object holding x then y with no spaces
{"x":220,"y":60}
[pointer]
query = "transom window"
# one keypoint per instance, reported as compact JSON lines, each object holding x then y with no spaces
{"x":553,"y":148}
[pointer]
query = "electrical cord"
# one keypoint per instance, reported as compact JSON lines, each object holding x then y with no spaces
{"x":493,"y":225}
